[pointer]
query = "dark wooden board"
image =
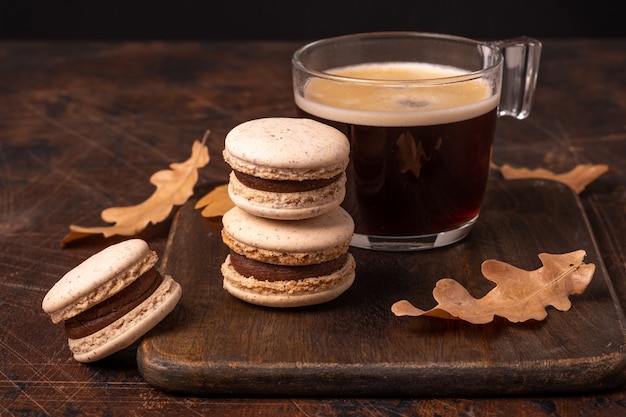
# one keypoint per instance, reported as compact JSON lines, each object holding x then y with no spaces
{"x":214,"y":344}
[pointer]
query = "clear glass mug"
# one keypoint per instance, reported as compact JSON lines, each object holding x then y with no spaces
{"x":420,"y":111}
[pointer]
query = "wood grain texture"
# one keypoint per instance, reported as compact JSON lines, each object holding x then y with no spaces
{"x":354,"y":345}
{"x":83,"y":125}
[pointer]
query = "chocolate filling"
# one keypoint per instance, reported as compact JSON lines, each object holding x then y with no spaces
{"x":114,"y":307}
{"x":283,"y":186}
{"x":270,"y":272}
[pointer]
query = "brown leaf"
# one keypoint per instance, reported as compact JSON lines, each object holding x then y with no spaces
{"x":518,"y":296}
{"x":215,"y":203}
{"x":173,"y":187}
{"x":412,"y":157}
{"x":577,"y":179}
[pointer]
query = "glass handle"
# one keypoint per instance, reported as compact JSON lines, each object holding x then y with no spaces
{"x":519,"y":75}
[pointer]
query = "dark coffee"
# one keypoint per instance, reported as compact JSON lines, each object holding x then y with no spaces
{"x":416,"y":180}
{"x":419,"y":155}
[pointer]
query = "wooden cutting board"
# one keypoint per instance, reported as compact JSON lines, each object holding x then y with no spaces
{"x":214,"y":344}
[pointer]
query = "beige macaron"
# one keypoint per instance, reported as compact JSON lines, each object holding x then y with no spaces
{"x":286,"y":168}
{"x":111,"y":299}
{"x":288,"y":263}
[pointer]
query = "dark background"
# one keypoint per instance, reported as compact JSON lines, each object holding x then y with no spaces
{"x":236,"y":20}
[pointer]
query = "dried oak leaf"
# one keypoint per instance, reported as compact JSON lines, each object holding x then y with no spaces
{"x":577,"y":179}
{"x":173,"y":187}
{"x":518,"y":296}
{"x":216,"y":202}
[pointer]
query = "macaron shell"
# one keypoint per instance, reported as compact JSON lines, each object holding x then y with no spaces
{"x":128,"y":329}
{"x":309,"y":235}
{"x":286,"y":148}
{"x":287,"y":206}
{"x":97,"y":278}
{"x":300,"y":293}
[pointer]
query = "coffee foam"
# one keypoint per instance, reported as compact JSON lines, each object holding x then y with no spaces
{"x":401,"y":104}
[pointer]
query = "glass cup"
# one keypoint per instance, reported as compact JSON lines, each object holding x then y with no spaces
{"x":420,"y":112}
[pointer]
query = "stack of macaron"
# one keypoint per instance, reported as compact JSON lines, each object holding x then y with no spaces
{"x":111,"y":299}
{"x":287,"y":234}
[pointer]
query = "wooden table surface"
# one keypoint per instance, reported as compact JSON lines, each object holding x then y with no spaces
{"x":83,"y":125}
